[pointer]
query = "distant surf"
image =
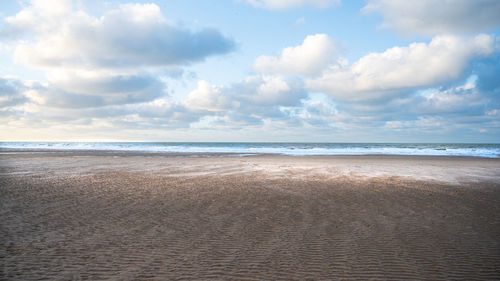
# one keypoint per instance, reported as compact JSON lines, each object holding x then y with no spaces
{"x":297,"y":149}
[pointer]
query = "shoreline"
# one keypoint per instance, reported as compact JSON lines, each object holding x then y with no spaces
{"x":132,"y":153}
{"x":452,"y":169}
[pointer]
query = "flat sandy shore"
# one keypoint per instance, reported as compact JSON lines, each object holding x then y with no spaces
{"x":126,"y":216}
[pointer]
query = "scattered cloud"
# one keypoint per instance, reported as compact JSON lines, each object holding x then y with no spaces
{"x":434,"y":17}
{"x":255,"y":95}
{"x":254,"y":101}
{"x":100,"y":92}
{"x":311,"y":57}
{"x":459,"y":100}
{"x":11,"y":92}
{"x":265,"y":91}
{"x":132,"y":35}
{"x":108,"y":60}
{"x":290,"y":4}
{"x":378,"y":76}
{"x":106,"y":74}
{"x":211,"y":98}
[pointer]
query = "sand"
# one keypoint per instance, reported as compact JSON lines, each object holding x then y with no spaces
{"x":126,"y":216}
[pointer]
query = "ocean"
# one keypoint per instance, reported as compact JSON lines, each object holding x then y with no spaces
{"x":251,"y":148}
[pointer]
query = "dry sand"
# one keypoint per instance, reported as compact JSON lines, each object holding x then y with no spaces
{"x":91,"y":215}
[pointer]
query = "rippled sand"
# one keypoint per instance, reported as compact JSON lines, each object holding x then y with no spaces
{"x":92,"y":216}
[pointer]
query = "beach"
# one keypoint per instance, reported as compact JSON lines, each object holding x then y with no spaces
{"x":158,"y":216}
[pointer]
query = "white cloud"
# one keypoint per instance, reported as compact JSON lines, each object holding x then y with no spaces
{"x":160,"y":113}
{"x":271,"y":91}
{"x":97,"y":82}
{"x":111,"y":92}
{"x":314,"y":55}
{"x":12,"y":92}
{"x":112,"y":59}
{"x":383,"y":75}
{"x":289,"y":4}
{"x":250,"y":101}
{"x":450,"y":101}
{"x":431,"y":17}
{"x":82,"y":89}
{"x":132,"y":35}
{"x":421,"y":123}
{"x":207,"y":97}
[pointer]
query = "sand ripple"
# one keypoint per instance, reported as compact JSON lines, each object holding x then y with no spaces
{"x":245,"y":226}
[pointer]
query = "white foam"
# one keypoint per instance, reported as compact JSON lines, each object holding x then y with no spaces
{"x":478,"y":150}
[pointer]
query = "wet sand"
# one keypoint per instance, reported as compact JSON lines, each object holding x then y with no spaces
{"x":95,"y":215}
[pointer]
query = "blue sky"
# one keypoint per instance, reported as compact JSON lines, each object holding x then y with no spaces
{"x":250,"y":70}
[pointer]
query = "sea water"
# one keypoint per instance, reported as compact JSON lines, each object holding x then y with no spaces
{"x":245,"y":148}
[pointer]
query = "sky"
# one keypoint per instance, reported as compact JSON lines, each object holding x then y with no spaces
{"x":250,"y":70}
